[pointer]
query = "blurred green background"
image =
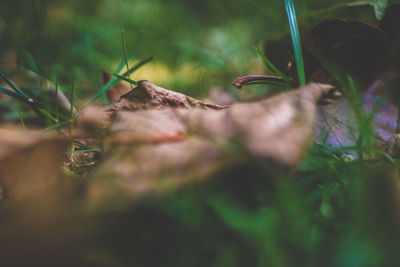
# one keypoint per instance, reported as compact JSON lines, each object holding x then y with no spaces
{"x":197,"y":45}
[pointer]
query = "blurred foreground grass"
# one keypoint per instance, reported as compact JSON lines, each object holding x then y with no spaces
{"x":329,"y":213}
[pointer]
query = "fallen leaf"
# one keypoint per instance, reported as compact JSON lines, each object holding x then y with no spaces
{"x":147,"y":126}
{"x":157,"y":150}
{"x":150,"y":96}
{"x":348,"y":48}
{"x":278,"y":128}
{"x":391,"y":71}
{"x":220,"y":97}
{"x":30,"y":160}
{"x":279,"y":49}
{"x":337,"y":126}
{"x":134,"y":171}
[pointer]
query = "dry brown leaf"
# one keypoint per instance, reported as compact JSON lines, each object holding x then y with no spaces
{"x":220,"y":97}
{"x":150,"y":96}
{"x":156,"y":167}
{"x":154,"y":150}
{"x":338,"y":128}
{"x":92,"y":121}
{"x":278,"y":128}
{"x":147,"y":126}
{"x":29,"y":160}
{"x":347,"y":48}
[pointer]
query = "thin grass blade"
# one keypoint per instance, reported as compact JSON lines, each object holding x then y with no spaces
{"x":137,"y":66}
{"x":12,"y":85}
{"x":13,"y":94}
{"x":48,"y":115}
{"x":294,"y":33}
{"x":114,"y":80}
{"x":126,"y":79}
{"x":20,"y":115}
{"x":272,"y":66}
{"x":58,"y":125}
{"x":57,"y":103}
{"x":40,"y":109}
{"x":125,"y":55}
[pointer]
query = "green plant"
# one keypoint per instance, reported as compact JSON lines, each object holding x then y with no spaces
{"x":126,"y":75}
{"x":298,"y":58}
{"x":272,"y":66}
{"x":46,"y":112}
{"x":294,"y":33}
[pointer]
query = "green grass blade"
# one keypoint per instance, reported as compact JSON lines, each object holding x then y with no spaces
{"x":12,"y":85}
{"x":387,"y":156}
{"x":30,"y":61}
{"x":125,"y":56}
{"x":58,"y":125}
{"x":366,"y":139}
{"x":113,"y":81}
{"x":117,"y":78}
{"x":137,"y":66}
{"x":272,"y":66}
{"x":126,"y":79}
{"x":14,"y":94}
{"x":47,"y":114}
{"x":40,"y":109}
{"x":20,"y":115}
{"x":21,"y":96}
{"x":110,"y":84}
{"x":294,"y":33}
{"x":57,"y":103}
{"x":71,"y":111}
{"x":130,"y":54}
